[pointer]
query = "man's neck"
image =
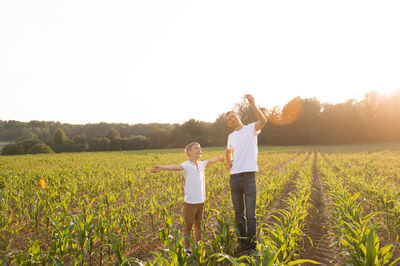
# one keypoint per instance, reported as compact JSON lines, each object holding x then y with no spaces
{"x":239,"y":127}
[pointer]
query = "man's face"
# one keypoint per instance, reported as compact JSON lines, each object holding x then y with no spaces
{"x":232,"y":119}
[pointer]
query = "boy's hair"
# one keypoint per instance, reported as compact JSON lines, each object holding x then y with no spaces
{"x":190,"y":145}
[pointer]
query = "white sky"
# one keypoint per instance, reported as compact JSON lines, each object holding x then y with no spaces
{"x":169,"y":61}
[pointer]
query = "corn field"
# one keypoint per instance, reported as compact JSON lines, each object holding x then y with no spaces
{"x":315,"y":205}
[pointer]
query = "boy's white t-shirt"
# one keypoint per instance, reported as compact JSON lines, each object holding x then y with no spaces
{"x":195,"y":182}
{"x":245,"y":149}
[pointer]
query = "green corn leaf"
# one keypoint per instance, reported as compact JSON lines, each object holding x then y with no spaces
{"x":371,"y":248}
{"x":385,"y":249}
{"x":296,"y":262}
{"x":394,"y":262}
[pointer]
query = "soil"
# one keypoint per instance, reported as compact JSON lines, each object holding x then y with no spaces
{"x":279,"y":203}
{"x":317,"y":226}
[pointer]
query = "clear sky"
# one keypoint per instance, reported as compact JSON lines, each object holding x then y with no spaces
{"x":169,"y":61}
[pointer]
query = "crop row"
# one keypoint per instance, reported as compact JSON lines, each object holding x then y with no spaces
{"x":356,"y":232}
{"x":99,"y":208}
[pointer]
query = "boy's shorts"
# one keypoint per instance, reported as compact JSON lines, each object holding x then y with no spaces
{"x":192,"y":212}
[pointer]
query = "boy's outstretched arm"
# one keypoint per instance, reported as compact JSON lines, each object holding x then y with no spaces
{"x":158,"y":168}
{"x":214,"y":160}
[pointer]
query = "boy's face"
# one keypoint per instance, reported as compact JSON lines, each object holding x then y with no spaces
{"x":195,"y":151}
{"x":232,"y":119}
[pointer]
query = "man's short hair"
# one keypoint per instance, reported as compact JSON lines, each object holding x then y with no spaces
{"x":190,"y":145}
{"x":230,"y":112}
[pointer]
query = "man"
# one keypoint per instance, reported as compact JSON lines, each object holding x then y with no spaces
{"x":242,"y":142}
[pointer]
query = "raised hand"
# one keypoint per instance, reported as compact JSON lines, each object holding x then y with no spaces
{"x":249,"y":98}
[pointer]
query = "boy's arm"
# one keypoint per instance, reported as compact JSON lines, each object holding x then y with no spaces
{"x":228,"y":155}
{"x":214,"y":160}
{"x":261,"y":118}
{"x":158,"y":168}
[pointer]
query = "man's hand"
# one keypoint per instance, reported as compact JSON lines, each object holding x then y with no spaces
{"x":250,"y":99}
{"x":260,"y":115}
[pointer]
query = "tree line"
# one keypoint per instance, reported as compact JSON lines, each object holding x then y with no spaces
{"x":375,"y":118}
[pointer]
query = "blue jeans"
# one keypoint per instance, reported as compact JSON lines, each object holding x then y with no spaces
{"x":244,"y":193}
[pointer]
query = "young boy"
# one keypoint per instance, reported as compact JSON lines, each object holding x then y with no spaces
{"x":195,"y":189}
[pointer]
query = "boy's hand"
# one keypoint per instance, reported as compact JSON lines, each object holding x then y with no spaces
{"x":156,"y":168}
{"x":215,"y":160}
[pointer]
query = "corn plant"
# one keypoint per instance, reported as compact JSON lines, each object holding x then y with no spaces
{"x":355,"y":232}
{"x":96,"y":208}
{"x":224,"y":235}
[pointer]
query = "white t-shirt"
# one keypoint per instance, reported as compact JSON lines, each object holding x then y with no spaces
{"x":245,"y":149}
{"x":195,"y":182}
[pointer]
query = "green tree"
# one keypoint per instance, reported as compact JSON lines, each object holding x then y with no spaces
{"x":80,"y":139}
{"x":80,"y":143}
{"x":115,"y":139}
{"x":113,"y":134}
{"x":13,"y":149}
{"x":67,"y":146}
{"x":29,"y":143}
{"x":158,"y":138}
{"x":305,"y":128}
{"x":27,"y":133}
{"x":220,"y":131}
{"x":59,"y":136}
{"x":99,"y":144}
{"x":40,"y":148}
{"x":134,"y":143}
{"x":192,"y":130}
